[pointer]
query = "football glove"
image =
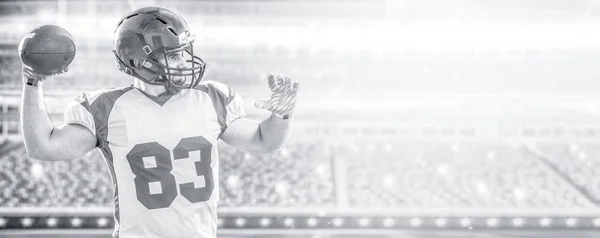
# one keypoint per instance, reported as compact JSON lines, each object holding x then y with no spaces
{"x":283,"y":96}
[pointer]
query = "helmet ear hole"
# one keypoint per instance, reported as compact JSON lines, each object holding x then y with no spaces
{"x":132,"y":63}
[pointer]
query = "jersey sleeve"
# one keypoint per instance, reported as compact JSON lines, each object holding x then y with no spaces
{"x":235,"y":108}
{"x":228,"y":104}
{"x":79,"y":112}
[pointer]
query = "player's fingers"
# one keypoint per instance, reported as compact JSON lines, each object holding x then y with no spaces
{"x":271,"y":80}
{"x":28,"y":74}
{"x":279,"y":83}
{"x":287,"y":82}
{"x":295,"y":86}
{"x":262,"y":104}
{"x":27,"y":69}
{"x":280,"y":80}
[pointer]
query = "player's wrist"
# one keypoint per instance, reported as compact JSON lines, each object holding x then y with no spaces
{"x":282,"y":116}
{"x":28,"y":81}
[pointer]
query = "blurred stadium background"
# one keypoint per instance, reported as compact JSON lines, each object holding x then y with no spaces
{"x":417,"y":118}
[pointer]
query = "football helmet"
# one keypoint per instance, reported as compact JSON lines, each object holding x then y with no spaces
{"x":144,"y":36}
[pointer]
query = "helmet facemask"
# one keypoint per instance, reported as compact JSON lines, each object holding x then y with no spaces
{"x":169,"y":75}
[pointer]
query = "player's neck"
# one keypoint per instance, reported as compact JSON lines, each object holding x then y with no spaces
{"x":154,"y":90}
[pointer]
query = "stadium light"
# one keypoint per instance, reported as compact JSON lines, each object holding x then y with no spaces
{"x":571,"y":222}
{"x":596,"y":222}
{"x":415,"y":222}
{"x":311,"y":222}
{"x":389,"y":222}
{"x":518,"y":222}
{"x":337,"y":222}
{"x":264,"y":222}
{"x":102,"y":222}
{"x":441,"y":222}
{"x":545,"y":222}
{"x":239,"y":222}
{"x":289,"y":222}
{"x":492,"y":222}
{"x":466,"y":222}
{"x":52,"y":221}
{"x":76,"y":222}
{"x":364,"y":222}
{"x":27,"y":221}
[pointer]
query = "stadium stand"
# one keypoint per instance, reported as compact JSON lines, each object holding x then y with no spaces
{"x":577,"y":162}
{"x":433,"y":174}
{"x":34,"y":183}
{"x":300,"y":175}
{"x":11,"y":70}
{"x":378,"y":175}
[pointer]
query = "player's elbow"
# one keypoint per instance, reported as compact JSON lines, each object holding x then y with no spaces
{"x":45,"y":153}
{"x":37,"y":147}
{"x":38,"y":153}
{"x":270,"y":147}
{"x":49,"y":156}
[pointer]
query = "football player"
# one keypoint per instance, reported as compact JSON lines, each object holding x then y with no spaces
{"x":159,"y":135}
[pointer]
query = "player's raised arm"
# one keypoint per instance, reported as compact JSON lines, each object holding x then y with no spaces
{"x":42,"y":140}
{"x":48,"y":50}
{"x":272,"y":133}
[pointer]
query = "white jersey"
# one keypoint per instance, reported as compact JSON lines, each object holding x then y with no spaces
{"x":162,"y":155}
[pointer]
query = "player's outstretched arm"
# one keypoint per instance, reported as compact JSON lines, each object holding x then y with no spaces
{"x":42,"y":140}
{"x":258,"y":136}
{"x":272,"y":133}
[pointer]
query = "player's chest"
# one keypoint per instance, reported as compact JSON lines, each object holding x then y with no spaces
{"x":167,"y":124}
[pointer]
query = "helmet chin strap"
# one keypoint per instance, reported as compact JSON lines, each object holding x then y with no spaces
{"x":172,"y":89}
{"x":169,"y":86}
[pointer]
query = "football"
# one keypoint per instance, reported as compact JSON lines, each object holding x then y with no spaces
{"x":47,"y":49}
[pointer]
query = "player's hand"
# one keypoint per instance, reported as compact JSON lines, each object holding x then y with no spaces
{"x":283,"y":96}
{"x":29,"y":73}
